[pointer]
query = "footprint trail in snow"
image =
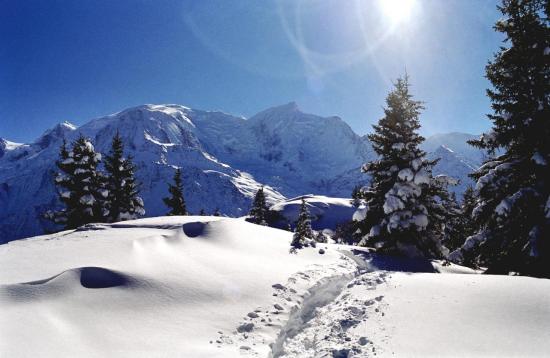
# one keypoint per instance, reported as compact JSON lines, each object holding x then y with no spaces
{"x":316,"y":313}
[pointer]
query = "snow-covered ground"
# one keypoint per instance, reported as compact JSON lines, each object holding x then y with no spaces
{"x":210,"y":286}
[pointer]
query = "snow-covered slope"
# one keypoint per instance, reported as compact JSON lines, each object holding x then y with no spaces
{"x":222,"y":287}
{"x":325,"y":212}
{"x":158,"y":287}
{"x":225,"y":159}
{"x":458,"y":143}
{"x":451,"y":164}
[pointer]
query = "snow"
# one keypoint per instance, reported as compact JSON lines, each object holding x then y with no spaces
{"x":65,"y":194}
{"x":325,"y":212}
{"x":392,"y":204}
{"x":87,"y":199}
{"x":406,"y":174}
{"x":417,"y":163}
{"x":538,"y":159}
{"x":398,"y":146}
{"x":360,"y":214}
{"x":421,"y":177}
{"x":167,"y":289}
{"x":420,"y":220}
{"x":219,"y":287}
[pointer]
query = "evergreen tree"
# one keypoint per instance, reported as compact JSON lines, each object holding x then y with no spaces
{"x":176,"y":202}
{"x":403,"y":214}
{"x":303,"y":228}
{"x":217,"y":212}
{"x":123,"y":198}
{"x":320,"y":237}
{"x":81,"y":186}
{"x":513,"y":185}
{"x":259,"y":211}
{"x":467,"y":208}
{"x":455,"y":223}
{"x":202,"y":212}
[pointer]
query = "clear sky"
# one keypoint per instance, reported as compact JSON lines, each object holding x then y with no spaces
{"x":77,"y":60}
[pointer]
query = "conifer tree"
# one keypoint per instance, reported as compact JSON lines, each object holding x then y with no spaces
{"x":202,"y":212}
{"x":513,"y":185}
{"x":259,"y":211}
{"x":123,"y":198}
{"x":176,"y":202}
{"x":467,"y":208}
{"x":81,"y":186}
{"x":320,"y":237}
{"x":217,"y":212}
{"x":303,"y":228}
{"x":454,"y":224}
{"x":403,"y":214}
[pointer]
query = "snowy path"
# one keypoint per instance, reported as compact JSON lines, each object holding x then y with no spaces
{"x":331,"y":326}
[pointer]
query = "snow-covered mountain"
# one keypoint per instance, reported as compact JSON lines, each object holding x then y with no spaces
{"x":225,"y":159}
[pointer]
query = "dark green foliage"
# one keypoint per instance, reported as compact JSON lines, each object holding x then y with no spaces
{"x":259,"y":211}
{"x":357,"y":196}
{"x":513,"y":186}
{"x":176,"y":202}
{"x":123,"y":198}
{"x":303,"y":228}
{"x":404,"y":211}
{"x":345,"y":233}
{"x":467,"y":208}
{"x":455,"y":223}
{"x":81,"y":186}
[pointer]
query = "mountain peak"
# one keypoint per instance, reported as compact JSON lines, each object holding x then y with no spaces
{"x":286,"y":110}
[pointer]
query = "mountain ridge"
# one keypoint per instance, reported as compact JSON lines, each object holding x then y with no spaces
{"x":225,"y":159}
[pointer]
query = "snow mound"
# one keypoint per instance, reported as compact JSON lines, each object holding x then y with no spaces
{"x":153,"y":287}
{"x":326,"y":212}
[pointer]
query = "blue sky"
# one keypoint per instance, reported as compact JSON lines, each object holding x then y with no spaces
{"x":76,"y":60}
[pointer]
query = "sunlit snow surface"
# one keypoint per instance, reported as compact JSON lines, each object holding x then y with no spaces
{"x":220,"y":287}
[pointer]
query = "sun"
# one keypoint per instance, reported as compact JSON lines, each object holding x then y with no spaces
{"x":397,"y":10}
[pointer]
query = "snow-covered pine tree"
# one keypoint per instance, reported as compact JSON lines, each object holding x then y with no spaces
{"x":81,"y":185}
{"x":123,"y":198}
{"x":258,"y":212}
{"x":176,"y":202}
{"x":217,"y":212}
{"x":303,"y":228}
{"x":320,"y":237}
{"x":402,"y":214}
{"x":513,"y":185}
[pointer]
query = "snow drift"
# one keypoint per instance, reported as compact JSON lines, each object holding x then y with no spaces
{"x":221,"y":287}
